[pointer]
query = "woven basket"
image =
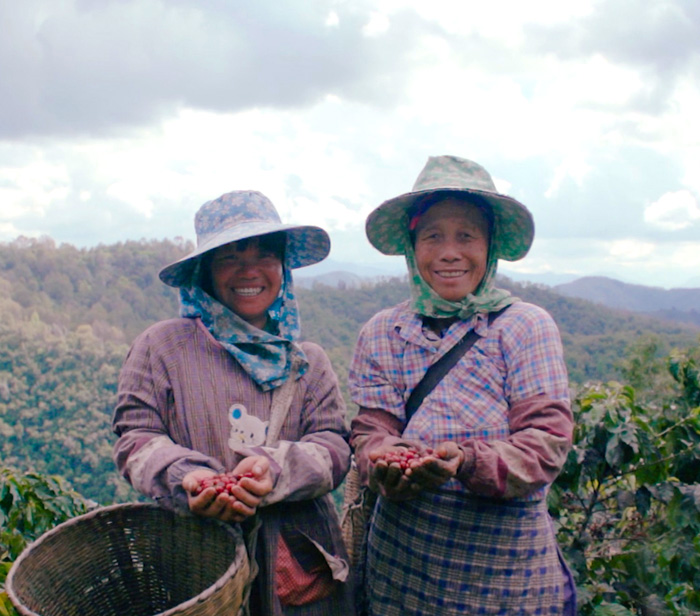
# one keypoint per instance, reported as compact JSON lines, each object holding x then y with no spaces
{"x":358,"y":503}
{"x":131,"y":560}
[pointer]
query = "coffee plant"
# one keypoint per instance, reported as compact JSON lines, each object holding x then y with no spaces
{"x":627,"y":504}
{"x":30,"y":504}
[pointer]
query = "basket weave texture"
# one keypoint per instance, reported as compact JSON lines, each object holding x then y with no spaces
{"x":131,"y":560}
{"x":358,"y":503}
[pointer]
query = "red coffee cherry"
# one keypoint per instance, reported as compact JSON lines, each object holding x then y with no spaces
{"x":406,"y":457}
{"x":223,"y":482}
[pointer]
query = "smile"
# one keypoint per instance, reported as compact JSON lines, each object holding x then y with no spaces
{"x":451,"y":274}
{"x":248,"y":291}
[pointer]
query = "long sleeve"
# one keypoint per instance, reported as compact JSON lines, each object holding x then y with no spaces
{"x":176,"y":390}
{"x":318,"y":462}
{"x":145,"y":452}
{"x":529,"y":459}
{"x":372,"y":428}
{"x":506,"y":401}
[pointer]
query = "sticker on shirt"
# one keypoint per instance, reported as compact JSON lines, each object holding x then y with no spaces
{"x":246,"y":430}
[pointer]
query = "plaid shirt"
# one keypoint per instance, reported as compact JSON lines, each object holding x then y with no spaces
{"x":519,"y":358}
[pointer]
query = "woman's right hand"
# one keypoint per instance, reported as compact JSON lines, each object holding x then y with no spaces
{"x":208,"y":503}
{"x":234,"y":507}
{"x":388,"y":478}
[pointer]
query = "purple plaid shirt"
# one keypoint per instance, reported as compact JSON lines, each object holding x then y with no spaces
{"x":518,"y":358}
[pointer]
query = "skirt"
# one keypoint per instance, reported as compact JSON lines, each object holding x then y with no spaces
{"x":447,"y":553}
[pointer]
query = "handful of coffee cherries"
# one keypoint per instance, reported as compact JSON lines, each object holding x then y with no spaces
{"x":223,"y":482}
{"x":406,"y":457}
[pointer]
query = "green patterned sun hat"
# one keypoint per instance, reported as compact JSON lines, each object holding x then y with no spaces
{"x":239,"y":215}
{"x":513,"y":229}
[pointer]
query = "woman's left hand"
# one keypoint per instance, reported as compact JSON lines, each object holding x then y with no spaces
{"x":435,"y":469}
{"x":244,"y":498}
{"x":255,"y":483}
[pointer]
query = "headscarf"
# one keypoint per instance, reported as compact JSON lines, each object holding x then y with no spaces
{"x":266,"y":355}
{"x":427,"y":302}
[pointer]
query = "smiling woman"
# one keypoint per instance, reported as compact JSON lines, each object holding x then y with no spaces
{"x":463,"y":528}
{"x":246,"y":276}
{"x":197,"y":399}
{"x":451,"y":242}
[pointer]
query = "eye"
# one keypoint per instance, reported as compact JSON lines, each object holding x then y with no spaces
{"x":269,"y":259}
{"x":429,"y":236}
{"x":225,"y":259}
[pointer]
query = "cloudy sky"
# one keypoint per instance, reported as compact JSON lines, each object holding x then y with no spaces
{"x":119,"y":118}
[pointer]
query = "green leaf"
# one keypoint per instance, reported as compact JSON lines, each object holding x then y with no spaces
{"x":611,"y":609}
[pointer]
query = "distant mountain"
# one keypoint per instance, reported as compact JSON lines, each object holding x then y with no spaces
{"x":332,"y":273}
{"x":670,"y":304}
{"x":638,"y":298}
{"x":681,"y":305}
{"x":337,"y":280}
{"x":391,"y":266}
{"x":549,"y":279}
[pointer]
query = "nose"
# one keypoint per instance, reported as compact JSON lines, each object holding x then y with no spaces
{"x":450,"y":251}
{"x":247,"y":267}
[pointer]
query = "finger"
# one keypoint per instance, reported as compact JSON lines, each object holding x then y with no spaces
{"x":258,"y":487}
{"x":244,"y":496}
{"x":260,"y":467}
{"x":394,"y":475}
{"x":202,"y":500}
{"x":379,"y":471}
{"x":241,"y":509}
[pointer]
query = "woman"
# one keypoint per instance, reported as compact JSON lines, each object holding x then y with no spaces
{"x":195,"y":399}
{"x":465,"y":529}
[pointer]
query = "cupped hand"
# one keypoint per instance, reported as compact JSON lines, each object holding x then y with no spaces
{"x":242,"y":502}
{"x":388,"y":478}
{"x":255,"y":483}
{"x":432,"y":470}
{"x":208,"y":503}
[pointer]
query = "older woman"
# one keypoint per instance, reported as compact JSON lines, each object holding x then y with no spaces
{"x":462,"y":528}
{"x":226,"y":389}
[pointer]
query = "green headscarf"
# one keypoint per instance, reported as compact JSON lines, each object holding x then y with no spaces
{"x":425,"y":301}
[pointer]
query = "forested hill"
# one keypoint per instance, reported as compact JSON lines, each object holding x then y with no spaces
{"x":68,"y":315}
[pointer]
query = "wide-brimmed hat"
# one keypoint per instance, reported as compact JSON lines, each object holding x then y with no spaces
{"x":513,"y":228}
{"x":243,"y":214}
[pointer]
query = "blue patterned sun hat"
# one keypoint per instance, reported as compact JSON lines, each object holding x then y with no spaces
{"x":513,"y":229}
{"x":243,"y":214}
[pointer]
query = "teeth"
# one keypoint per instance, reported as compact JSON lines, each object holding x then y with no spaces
{"x":249,"y":291}
{"x":451,"y":274}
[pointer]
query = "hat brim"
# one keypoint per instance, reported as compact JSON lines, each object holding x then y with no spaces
{"x":306,"y":245}
{"x":513,"y":230}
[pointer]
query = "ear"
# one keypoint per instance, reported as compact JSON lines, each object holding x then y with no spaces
{"x":236,"y":412}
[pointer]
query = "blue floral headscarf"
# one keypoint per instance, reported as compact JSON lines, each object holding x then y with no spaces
{"x":266,"y":355}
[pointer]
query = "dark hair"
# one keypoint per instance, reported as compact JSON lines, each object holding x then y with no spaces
{"x":270,"y":242}
{"x":275,"y":243}
{"x":423,"y":204}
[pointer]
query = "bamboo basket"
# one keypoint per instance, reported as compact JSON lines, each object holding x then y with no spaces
{"x":132,"y":559}
{"x":358,"y":503}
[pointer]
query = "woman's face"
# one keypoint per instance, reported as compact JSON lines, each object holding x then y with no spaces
{"x":451,"y":247}
{"x":246,"y":281}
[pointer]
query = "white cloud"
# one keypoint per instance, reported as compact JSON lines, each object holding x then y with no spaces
{"x":132,"y":195}
{"x":332,"y":20}
{"x":687,"y":256}
{"x":673,"y":211}
{"x":630,"y":250}
{"x":378,"y":24}
{"x":583,"y":126}
{"x":496,"y":19}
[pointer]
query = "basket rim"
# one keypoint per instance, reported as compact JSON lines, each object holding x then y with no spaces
{"x":199,"y":598}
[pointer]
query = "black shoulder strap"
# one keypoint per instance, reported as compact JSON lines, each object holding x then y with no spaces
{"x":442,"y":366}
